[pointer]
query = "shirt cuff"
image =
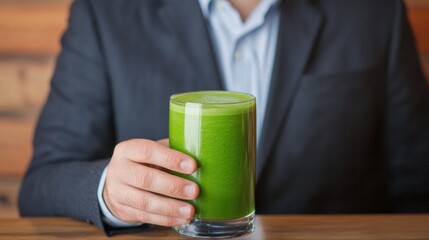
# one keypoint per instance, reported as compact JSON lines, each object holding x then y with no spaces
{"x":107,"y":216}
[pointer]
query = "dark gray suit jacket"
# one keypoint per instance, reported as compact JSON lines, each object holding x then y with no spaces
{"x":346,"y":127}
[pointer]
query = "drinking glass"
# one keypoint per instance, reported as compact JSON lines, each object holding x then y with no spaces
{"x":217,"y":129}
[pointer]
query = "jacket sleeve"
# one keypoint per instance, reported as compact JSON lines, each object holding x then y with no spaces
{"x":74,"y":138}
{"x":407,"y":120}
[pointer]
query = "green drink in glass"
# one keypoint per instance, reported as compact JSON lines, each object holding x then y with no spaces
{"x":218,"y":129}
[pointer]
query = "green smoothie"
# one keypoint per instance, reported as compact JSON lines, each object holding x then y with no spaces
{"x":217,"y":128}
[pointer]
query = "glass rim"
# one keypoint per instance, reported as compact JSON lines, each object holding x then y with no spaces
{"x":175,"y":101}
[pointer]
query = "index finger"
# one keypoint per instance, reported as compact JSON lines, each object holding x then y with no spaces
{"x":150,"y":152}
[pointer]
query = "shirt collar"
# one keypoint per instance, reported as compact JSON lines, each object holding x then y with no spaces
{"x":206,"y":5}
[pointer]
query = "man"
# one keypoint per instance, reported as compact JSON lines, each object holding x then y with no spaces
{"x":343,"y":108}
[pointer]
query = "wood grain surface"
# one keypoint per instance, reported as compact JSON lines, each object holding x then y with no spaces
{"x":397,"y":227}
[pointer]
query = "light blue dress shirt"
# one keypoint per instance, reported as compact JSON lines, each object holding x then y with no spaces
{"x":245,"y":52}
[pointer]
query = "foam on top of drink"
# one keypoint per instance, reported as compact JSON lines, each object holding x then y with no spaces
{"x":212,"y":103}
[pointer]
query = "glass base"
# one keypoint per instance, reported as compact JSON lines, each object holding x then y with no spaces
{"x":218,"y":228}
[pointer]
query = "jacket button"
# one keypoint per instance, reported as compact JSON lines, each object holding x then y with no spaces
{"x":88,"y":221}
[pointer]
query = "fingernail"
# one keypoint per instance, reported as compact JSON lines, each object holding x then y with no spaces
{"x":185,"y":211}
{"x":189,"y":190}
{"x":186,"y":165}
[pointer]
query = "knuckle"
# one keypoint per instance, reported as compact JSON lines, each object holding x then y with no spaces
{"x":171,"y":159}
{"x":138,"y":200}
{"x":175,"y":188}
{"x":144,"y":217}
{"x":141,"y":201}
{"x":169,"y":221}
{"x":145,"y":179}
{"x":170,"y":209}
{"x":145,"y":149}
{"x":120,"y":152}
{"x":112,"y":171}
{"x":119,"y":148}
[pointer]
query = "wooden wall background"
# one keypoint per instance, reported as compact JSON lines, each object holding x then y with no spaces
{"x":29,"y":42}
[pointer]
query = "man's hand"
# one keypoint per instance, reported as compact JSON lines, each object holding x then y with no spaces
{"x":138,"y":190}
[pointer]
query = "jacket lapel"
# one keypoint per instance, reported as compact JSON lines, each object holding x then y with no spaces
{"x":186,"y":22}
{"x":299,"y":27}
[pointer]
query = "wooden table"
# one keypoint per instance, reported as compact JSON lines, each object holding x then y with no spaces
{"x":302,"y":227}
